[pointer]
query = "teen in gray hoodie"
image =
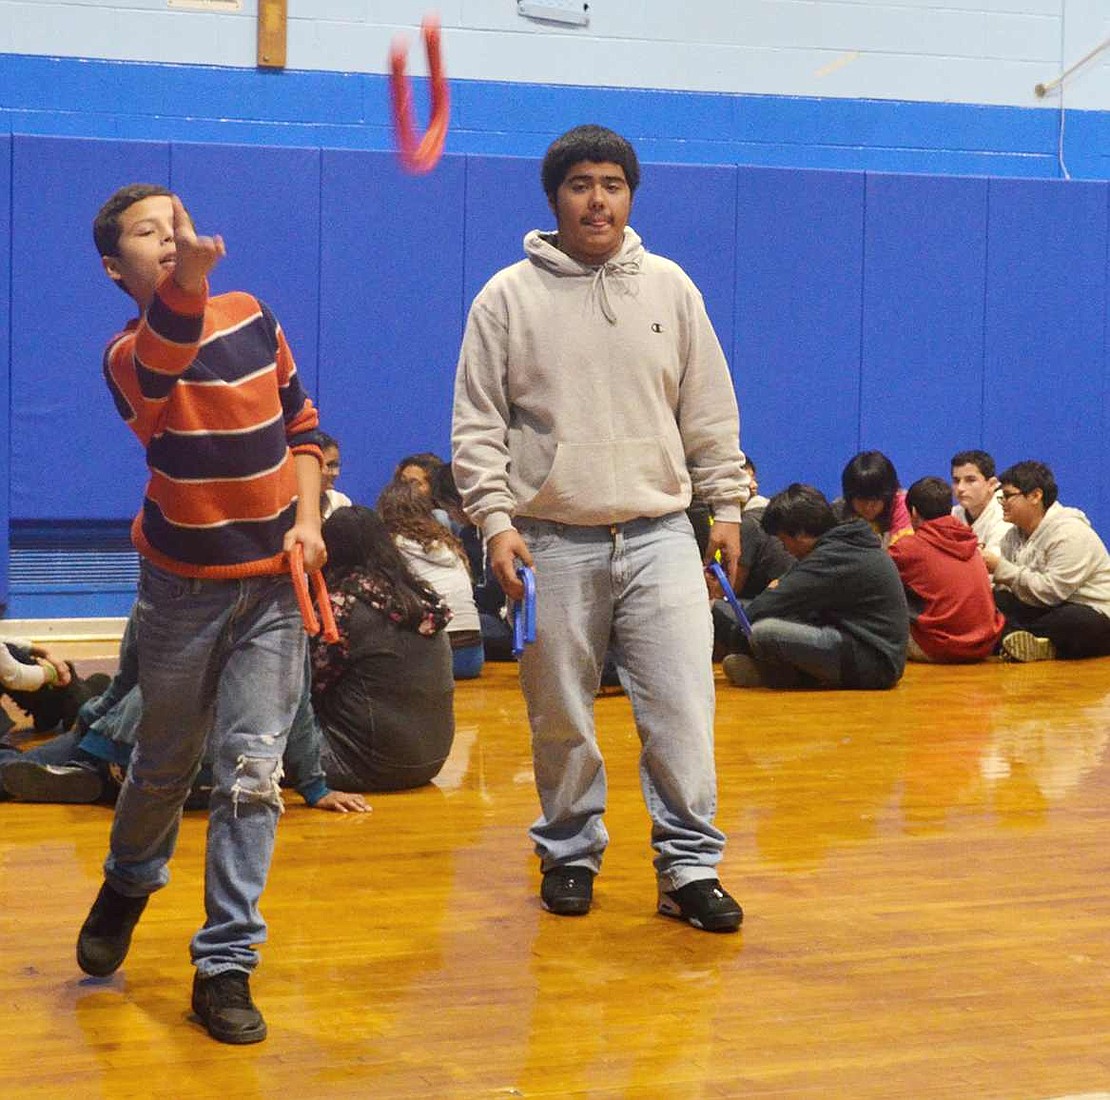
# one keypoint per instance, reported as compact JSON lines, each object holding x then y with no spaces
{"x":592,"y":400}
{"x":1051,"y":573}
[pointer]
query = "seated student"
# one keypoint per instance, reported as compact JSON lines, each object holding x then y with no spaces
{"x":755,"y":502}
{"x":437,"y":558}
{"x":418,"y":469}
{"x":977,"y":501}
{"x":1051,"y":574}
{"x":945,"y":580}
{"x":870,"y":491}
{"x":489,"y":596}
{"x":330,"y":497}
{"x":382,"y":715}
{"x":88,"y":763}
{"x":837,"y":618}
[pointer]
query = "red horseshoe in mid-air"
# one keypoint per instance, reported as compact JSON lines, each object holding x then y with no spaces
{"x":423,"y":156}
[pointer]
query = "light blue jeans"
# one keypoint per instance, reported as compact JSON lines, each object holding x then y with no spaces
{"x":222,"y":660}
{"x":782,"y":648}
{"x":639,"y":587}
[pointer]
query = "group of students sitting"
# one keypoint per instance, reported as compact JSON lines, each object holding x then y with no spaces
{"x":837,"y":594}
{"x":883,"y":575}
{"x":378,"y":711}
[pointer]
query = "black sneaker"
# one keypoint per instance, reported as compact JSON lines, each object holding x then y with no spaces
{"x":29,"y":781}
{"x":705,"y":904}
{"x":106,"y":934}
{"x":567,"y":891}
{"x":223,"y":1004}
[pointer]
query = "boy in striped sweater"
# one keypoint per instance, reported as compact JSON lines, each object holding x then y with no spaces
{"x":210,"y":388}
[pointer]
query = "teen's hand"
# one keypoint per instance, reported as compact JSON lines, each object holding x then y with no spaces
{"x":724,"y":537}
{"x":312,"y":543}
{"x":505,"y":549}
{"x":61,"y":669}
{"x":196,"y":256}
{"x":343,"y":802}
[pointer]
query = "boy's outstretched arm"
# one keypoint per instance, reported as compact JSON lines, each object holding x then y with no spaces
{"x":194,"y":256}
{"x":306,"y":526}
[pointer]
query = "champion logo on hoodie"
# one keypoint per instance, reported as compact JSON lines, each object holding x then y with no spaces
{"x":656,"y":327}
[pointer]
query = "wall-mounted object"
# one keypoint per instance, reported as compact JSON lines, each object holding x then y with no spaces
{"x":271,"y":34}
{"x":574,"y":12}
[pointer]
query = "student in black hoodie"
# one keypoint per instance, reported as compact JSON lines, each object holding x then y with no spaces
{"x":838,"y":618}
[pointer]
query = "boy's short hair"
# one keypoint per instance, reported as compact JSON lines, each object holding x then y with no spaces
{"x":1030,"y":475}
{"x":106,"y":223}
{"x":748,"y":463}
{"x":979,"y":459}
{"x":325,"y":441}
{"x":593,"y":143}
{"x":798,"y":510}
{"x":931,"y":497}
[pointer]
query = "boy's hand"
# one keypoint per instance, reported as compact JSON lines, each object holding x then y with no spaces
{"x":312,"y":543}
{"x":505,"y":549}
{"x":195,"y":256}
{"x":61,"y":669}
{"x":343,"y":802}
{"x":724,"y":537}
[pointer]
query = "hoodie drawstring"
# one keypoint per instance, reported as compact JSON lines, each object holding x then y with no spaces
{"x":600,"y":285}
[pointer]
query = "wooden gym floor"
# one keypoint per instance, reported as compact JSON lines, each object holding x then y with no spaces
{"x":926,"y":875}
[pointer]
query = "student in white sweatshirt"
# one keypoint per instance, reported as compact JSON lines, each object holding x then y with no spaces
{"x":978,"y":503}
{"x":1051,"y":575}
{"x":592,"y":399}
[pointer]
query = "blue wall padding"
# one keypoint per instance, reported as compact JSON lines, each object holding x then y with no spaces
{"x":5,"y":361}
{"x":391,"y":292}
{"x":687,"y":213}
{"x":799,"y":246}
{"x":267,"y":208}
{"x":63,"y":312}
{"x":493,"y":239}
{"x":199,"y":103}
{"x":1045,"y":355}
{"x":924,"y":271}
{"x":911,"y":314}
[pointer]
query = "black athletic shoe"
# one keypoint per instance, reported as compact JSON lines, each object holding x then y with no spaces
{"x":705,"y":904}
{"x":223,"y":1004}
{"x":106,"y":934}
{"x":29,"y":781}
{"x":567,"y":891}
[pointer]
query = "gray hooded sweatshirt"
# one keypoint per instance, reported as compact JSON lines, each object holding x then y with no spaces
{"x":593,"y":395}
{"x":1063,"y":560}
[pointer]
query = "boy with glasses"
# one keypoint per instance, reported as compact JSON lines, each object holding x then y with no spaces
{"x":1051,"y":574}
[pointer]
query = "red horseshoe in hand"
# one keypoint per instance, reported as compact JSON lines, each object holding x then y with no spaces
{"x":419,"y":157}
{"x":304,"y":602}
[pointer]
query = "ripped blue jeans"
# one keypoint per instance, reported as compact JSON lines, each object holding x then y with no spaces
{"x":219,"y":660}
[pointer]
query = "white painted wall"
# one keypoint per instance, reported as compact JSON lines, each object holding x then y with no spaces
{"x":970,"y":51}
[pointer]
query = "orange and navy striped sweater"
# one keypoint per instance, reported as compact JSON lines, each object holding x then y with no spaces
{"x":210,"y":388}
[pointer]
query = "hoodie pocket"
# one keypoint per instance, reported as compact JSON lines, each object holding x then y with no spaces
{"x":595,"y":482}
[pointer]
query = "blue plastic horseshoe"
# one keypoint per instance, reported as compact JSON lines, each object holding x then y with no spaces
{"x":733,"y":602}
{"x":524,"y":612}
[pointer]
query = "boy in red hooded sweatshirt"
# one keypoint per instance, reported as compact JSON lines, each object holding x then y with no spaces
{"x":946,"y":579}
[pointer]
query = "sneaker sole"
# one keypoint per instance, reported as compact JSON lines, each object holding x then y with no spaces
{"x":724,"y":923}
{"x":578,"y":909}
{"x":232,"y":1038}
{"x":741,"y":671}
{"x":28,"y":781}
{"x":1023,"y":647}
